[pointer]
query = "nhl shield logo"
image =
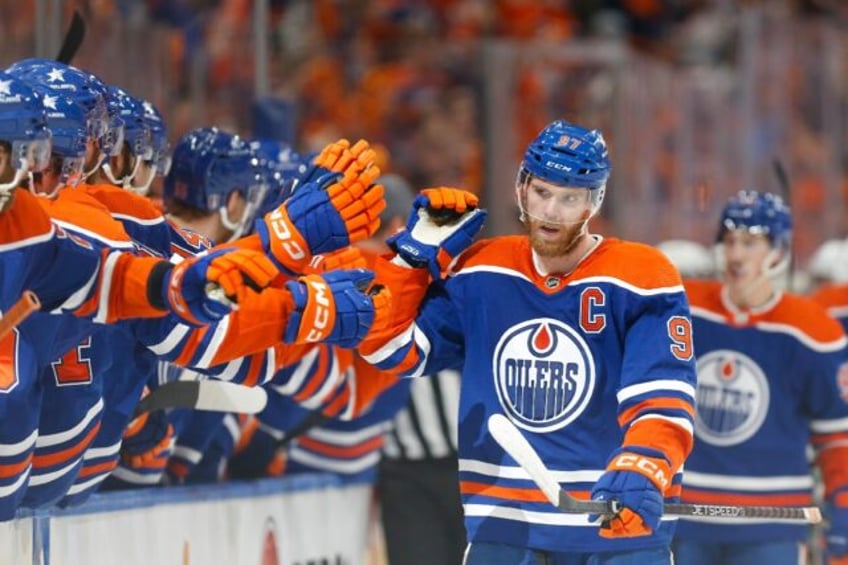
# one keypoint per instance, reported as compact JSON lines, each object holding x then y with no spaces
{"x":544,"y":374}
{"x":732,"y":398}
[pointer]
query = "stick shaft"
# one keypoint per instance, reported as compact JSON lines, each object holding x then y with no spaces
{"x":73,"y":39}
{"x":517,"y":446}
{"x":20,"y":311}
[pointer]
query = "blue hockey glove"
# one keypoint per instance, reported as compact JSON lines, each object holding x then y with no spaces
{"x":322,"y":217}
{"x":335,"y":308}
{"x":442,"y":224}
{"x":148,"y":442}
{"x":636,"y":478}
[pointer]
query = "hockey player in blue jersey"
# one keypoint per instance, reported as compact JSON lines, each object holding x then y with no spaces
{"x":771,"y":380}
{"x":69,"y":274}
{"x":587,"y":349}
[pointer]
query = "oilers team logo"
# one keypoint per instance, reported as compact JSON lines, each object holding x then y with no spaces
{"x":732,"y":398}
{"x":544,"y":374}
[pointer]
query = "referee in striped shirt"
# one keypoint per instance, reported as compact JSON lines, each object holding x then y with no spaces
{"x":418,"y":480}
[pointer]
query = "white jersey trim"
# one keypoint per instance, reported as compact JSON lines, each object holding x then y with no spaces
{"x":755,"y":484}
{"x":815,"y":345}
{"x":629,"y":392}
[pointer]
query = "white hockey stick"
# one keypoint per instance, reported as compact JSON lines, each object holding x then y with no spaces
{"x":517,"y":446}
{"x":213,"y":396}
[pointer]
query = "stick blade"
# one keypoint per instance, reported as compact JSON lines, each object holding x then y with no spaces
{"x":231,"y":397}
{"x":212,"y":396}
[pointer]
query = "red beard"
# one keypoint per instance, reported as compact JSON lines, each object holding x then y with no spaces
{"x":558,"y":247}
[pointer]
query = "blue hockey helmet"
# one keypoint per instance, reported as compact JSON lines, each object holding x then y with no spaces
{"x":180,"y":179}
{"x":23,"y":127}
{"x":208,"y":167}
{"x":161,"y":157}
{"x":567,"y":155}
{"x":78,"y":85}
{"x":68,"y":126}
{"x":159,"y":161}
{"x":136,"y":137}
{"x":759,"y":213}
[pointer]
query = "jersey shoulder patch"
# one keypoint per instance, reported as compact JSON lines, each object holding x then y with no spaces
{"x":122,"y":202}
{"x":24,"y":221}
{"x":79,"y":210}
{"x":831,"y":295}
{"x":809,"y":318}
{"x":633,"y":263}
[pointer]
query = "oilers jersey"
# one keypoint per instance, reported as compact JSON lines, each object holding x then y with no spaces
{"x":768,"y":384}
{"x":64,"y":271}
{"x":583,"y":363}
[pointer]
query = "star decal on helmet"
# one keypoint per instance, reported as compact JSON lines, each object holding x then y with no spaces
{"x":56,"y":75}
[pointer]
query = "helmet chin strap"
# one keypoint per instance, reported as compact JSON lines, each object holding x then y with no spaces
{"x":144,"y":188}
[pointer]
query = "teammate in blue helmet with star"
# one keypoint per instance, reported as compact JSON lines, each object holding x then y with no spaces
{"x":771,"y":374}
{"x":590,"y":356}
{"x":25,"y":141}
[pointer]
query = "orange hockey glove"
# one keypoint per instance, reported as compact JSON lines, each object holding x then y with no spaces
{"x":322,"y":217}
{"x":204,"y":289}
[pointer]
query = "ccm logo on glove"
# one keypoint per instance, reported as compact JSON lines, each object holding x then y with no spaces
{"x":322,"y":312}
{"x":280,"y":225}
{"x":644,"y":465}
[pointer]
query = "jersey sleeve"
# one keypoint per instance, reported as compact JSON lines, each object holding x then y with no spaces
{"x":824,"y":389}
{"x":433,"y":341}
{"x":658,"y":377}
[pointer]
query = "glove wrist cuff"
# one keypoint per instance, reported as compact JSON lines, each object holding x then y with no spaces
{"x":282,"y":243}
{"x":655,"y":469}
{"x":314,"y":304}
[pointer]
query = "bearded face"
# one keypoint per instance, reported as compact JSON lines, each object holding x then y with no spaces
{"x":555,"y":216}
{"x":552,"y":240}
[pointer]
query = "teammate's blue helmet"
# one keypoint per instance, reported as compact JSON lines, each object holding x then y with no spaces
{"x":136,"y":136}
{"x":566,"y":155}
{"x":208,"y":167}
{"x":69,"y":130}
{"x":289,"y":162}
{"x":23,"y":126}
{"x":180,"y":179}
{"x":759,"y":213}
{"x":71,"y":82}
{"x":159,"y":138}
